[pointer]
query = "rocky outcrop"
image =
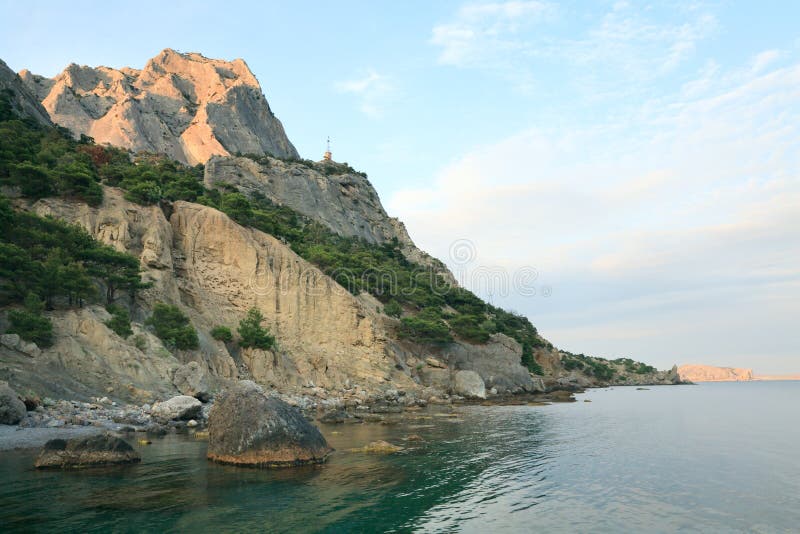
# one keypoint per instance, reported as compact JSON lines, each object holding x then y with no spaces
{"x":14,"y":342}
{"x":497,"y":363}
{"x":24,"y":102}
{"x":12,"y":409}
{"x":103,"y":449}
{"x":186,"y":106}
{"x":245,"y":427}
{"x":89,"y":359}
{"x":708,"y":373}
{"x":469,"y":384}
{"x":180,"y":408}
{"x":328,"y":193}
{"x":191,"y":379}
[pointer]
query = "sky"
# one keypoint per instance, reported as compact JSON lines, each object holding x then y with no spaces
{"x":626,"y":174}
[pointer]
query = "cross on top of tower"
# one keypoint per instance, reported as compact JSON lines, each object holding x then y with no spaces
{"x":327,"y":155}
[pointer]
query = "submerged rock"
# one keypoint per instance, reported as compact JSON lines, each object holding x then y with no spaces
{"x":12,"y":409}
{"x":247,"y":428}
{"x":180,"y":408}
{"x":103,"y":449}
{"x":379,"y":447}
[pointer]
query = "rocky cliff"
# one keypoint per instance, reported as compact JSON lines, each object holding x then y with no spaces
{"x":330,"y":193}
{"x":23,"y":101}
{"x":329,"y":342}
{"x":708,"y":373}
{"x":184,"y":105}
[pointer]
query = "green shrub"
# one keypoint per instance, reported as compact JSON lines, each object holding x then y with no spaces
{"x":120,"y":321}
{"x":529,"y":361}
{"x":251,"y":332}
{"x":173,"y":327}
{"x":30,"y":324}
{"x":468,"y":328}
{"x":393,"y":309}
{"x":426,"y":327}
{"x":222,"y":333}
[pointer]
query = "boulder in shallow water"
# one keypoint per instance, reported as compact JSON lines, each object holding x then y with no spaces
{"x":102,"y":449}
{"x":245,"y":427}
{"x":12,"y":409}
{"x":180,"y":408}
{"x":469,"y":384}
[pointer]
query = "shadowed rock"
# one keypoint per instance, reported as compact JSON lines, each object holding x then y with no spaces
{"x":103,"y":449}
{"x":247,"y":428}
{"x":12,"y":409}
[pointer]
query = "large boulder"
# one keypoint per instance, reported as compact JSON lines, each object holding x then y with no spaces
{"x":102,"y":449}
{"x":180,"y":408}
{"x":190,"y":379}
{"x":469,"y":384}
{"x":12,"y":409}
{"x":245,"y":427}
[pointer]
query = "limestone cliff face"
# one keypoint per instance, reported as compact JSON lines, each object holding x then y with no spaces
{"x":344,"y":202}
{"x":215,"y":270}
{"x":23,"y":101}
{"x":186,"y":106}
{"x":708,"y":373}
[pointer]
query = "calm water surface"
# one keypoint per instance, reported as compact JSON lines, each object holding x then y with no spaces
{"x":711,"y":458}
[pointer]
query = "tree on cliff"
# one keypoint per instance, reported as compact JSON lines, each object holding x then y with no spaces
{"x":252,"y":333}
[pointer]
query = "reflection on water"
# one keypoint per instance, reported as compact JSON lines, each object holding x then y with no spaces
{"x":711,"y":457}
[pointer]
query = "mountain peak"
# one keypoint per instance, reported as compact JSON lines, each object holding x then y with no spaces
{"x":184,"y":105}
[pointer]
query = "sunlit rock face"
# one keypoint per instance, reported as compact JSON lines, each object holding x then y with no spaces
{"x":186,"y":106}
{"x":708,"y":373}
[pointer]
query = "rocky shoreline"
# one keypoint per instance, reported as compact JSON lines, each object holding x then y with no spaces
{"x":48,"y":418}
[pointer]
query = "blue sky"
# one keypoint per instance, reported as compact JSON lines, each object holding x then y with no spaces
{"x":642,"y":157}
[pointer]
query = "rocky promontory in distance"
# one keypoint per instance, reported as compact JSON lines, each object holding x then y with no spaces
{"x":710,"y":373}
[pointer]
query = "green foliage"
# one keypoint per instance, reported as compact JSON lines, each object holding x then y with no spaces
{"x":251,"y":332}
{"x":222,"y":333}
{"x":529,"y":361}
{"x":48,"y":161}
{"x":58,"y":262}
{"x":173,"y":327}
{"x":120,"y":321}
{"x":30,"y":324}
{"x":426,"y":327}
{"x":597,"y":367}
{"x":469,"y":328}
{"x":393,"y":309}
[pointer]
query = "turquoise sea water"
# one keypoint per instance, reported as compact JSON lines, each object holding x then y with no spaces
{"x":711,"y":458}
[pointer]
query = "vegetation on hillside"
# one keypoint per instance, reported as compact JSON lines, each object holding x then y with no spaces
{"x":173,"y":327}
{"x":48,"y":162}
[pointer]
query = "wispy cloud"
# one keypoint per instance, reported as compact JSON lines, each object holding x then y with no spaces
{"x":374,"y":92}
{"x":481,"y":30}
{"x":513,"y":39}
{"x":765,"y":59}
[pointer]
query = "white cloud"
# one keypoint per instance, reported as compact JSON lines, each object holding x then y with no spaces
{"x":647,"y":235}
{"x":373,"y":90}
{"x":764,"y":60}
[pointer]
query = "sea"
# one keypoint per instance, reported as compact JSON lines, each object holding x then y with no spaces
{"x":716,"y":457}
